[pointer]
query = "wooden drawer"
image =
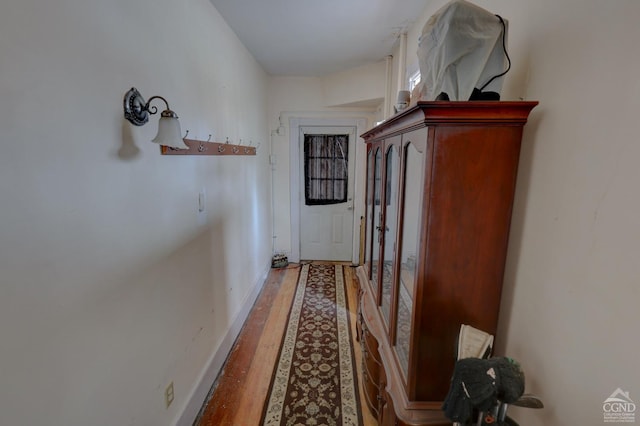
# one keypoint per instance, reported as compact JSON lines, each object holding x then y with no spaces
{"x":371,"y":392}
{"x":371,"y":344}
{"x":371,"y":366}
{"x":370,"y":358}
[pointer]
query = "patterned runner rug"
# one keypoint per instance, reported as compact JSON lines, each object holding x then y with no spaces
{"x":314,"y":382}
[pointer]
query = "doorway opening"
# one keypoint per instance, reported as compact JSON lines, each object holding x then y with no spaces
{"x":325,"y":188}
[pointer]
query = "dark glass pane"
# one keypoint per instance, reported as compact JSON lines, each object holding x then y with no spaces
{"x":326,"y":168}
{"x":408,"y":252}
{"x":377,"y":216}
{"x":391,"y":219}
{"x":370,"y":225}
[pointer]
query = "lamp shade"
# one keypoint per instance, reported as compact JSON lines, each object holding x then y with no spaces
{"x":169,"y":133}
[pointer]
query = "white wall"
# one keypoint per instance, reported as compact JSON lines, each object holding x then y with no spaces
{"x":364,"y":84}
{"x":570,"y":304}
{"x":111,"y":284}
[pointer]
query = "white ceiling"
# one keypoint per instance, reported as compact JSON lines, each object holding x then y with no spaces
{"x":318,"y":37}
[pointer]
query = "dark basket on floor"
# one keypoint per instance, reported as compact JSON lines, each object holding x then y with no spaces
{"x":279,"y":261}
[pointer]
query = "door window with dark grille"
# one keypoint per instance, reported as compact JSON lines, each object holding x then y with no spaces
{"x":326,"y":160}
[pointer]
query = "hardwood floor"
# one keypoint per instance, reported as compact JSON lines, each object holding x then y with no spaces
{"x":242,"y":386}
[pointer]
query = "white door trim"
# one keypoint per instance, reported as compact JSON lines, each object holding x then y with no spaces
{"x":295,"y":123}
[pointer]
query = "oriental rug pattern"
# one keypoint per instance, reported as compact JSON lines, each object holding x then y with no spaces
{"x":314,"y":381}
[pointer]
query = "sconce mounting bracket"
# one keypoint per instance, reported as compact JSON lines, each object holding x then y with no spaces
{"x":135,"y":108}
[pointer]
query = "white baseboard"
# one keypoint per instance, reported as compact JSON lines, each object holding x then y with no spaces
{"x":217,"y":359}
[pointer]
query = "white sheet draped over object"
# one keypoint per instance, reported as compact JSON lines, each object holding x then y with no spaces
{"x":461,"y":49}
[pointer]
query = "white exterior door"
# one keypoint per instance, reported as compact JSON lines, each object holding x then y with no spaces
{"x":327,"y":165}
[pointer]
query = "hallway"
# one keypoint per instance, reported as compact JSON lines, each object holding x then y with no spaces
{"x":243,"y":384}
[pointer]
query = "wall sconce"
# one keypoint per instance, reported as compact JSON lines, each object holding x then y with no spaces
{"x":137,"y":111}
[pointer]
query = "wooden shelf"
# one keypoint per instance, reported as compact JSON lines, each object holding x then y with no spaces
{"x":197,"y":147}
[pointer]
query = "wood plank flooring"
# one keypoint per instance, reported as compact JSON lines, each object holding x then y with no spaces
{"x":242,"y":386}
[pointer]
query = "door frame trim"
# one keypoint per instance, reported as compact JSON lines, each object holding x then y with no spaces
{"x":295,"y":123}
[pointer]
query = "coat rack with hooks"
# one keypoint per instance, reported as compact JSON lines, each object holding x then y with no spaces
{"x":200,"y":147}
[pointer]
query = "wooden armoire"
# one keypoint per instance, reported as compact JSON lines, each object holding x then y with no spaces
{"x":440,"y":186}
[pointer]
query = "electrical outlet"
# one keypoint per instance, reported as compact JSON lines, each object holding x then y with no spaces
{"x":168,"y":395}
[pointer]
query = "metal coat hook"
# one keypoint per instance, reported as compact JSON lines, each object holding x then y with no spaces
{"x":209,"y":140}
{"x":227,"y":139}
{"x":185,"y":135}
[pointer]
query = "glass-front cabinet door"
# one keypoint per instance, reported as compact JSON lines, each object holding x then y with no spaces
{"x":369,"y":211}
{"x":411,"y":212}
{"x":376,"y":217}
{"x":391,"y":191}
